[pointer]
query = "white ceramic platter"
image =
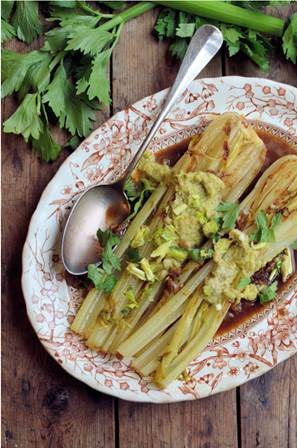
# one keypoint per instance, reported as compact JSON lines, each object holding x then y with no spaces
{"x":252,"y":349}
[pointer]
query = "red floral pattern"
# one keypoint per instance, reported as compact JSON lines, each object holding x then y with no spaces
{"x":246,"y":352}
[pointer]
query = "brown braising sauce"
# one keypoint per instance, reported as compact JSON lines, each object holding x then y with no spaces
{"x":171,"y":154}
{"x":276,"y":147}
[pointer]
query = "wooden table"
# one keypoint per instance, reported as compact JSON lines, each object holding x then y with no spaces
{"x":43,"y":406}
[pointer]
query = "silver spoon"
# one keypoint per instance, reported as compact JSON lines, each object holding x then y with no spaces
{"x":102,"y":206}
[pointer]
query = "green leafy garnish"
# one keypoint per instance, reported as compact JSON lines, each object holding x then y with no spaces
{"x":102,"y":281}
{"x":230,"y":213}
{"x":268,"y":294}
{"x":133,"y":255}
{"x":137,"y":194}
{"x":200,"y":254}
{"x":265,"y":232}
{"x":103,"y":277}
{"x":294,"y":245}
{"x":108,"y":241}
{"x":244,"y":282}
{"x":290,"y":40}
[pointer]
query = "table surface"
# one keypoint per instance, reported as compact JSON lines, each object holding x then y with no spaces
{"x":43,"y":406}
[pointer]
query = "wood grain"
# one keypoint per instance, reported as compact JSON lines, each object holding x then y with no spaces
{"x":198,"y":424}
{"x":44,"y":406}
{"x":265,"y":409}
{"x":142,"y":65}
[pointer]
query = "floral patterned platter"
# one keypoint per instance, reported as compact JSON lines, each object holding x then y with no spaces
{"x":253,"y":348}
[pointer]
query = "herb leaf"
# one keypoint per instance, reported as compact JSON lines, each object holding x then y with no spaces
{"x":103,"y":277}
{"x":74,"y":112}
{"x":244,"y":282}
{"x":290,"y":40}
{"x":232,"y":36}
{"x":7,"y":31}
{"x":88,"y":40}
{"x":98,"y":83}
{"x":26,"y":119}
{"x":268,"y":294}
{"x":15,"y":67}
{"x":294,"y":245}
{"x":133,"y":254}
{"x":264,"y":232}
{"x":230,"y":213}
{"x":102,"y":281}
{"x":185,"y":29}
{"x":200,"y":254}
{"x":178,"y":48}
{"x":6,"y":8}
{"x":46,"y":146}
{"x":165,"y":24}
{"x":26,"y":21}
{"x":137,"y":194}
{"x":109,"y":240}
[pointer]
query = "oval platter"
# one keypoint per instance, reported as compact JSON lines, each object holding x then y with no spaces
{"x":246,"y":352}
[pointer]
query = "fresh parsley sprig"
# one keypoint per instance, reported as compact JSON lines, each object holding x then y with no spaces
{"x":229,"y":213}
{"x":268,"y":294}
{"x":265,"y":231}
{"x":137,"y":194}
{"x":103,"y":277}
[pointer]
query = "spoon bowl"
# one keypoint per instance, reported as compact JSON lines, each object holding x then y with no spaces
{"x":100,"y":207}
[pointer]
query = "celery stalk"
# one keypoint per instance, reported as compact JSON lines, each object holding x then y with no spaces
{"x":126,"y":15}
{"x":228,"y":13}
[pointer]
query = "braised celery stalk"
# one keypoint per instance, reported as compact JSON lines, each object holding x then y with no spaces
{"x":276,"y":190}
{"x":246,"y":155}
{"x":86,"y":317}
{"x":228,"y":13}
{"x":232,"y":150}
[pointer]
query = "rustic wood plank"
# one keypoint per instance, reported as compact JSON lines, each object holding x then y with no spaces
{"x":43,"y":406}
{"x":141,"y":67}
{"x":265,"y":409}
{"x":208,"y":423}
{"x":268,"y":403}
{"x":292,"y":423}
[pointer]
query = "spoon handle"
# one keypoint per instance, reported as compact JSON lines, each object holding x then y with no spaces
{"x":203,"y":46}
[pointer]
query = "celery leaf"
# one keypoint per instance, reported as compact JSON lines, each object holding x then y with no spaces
{"x":26,"y":21}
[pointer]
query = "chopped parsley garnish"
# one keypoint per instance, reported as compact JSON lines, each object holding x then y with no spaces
{"x":229,"y":211}
{"x":200,"y":254}
{"x":103,"y":276}
{"x":268,"y":294}
{"x":133,"y":255}
{"x":265,"y":232}
{"x":244,"y":282}
{"x":137,"y":194}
